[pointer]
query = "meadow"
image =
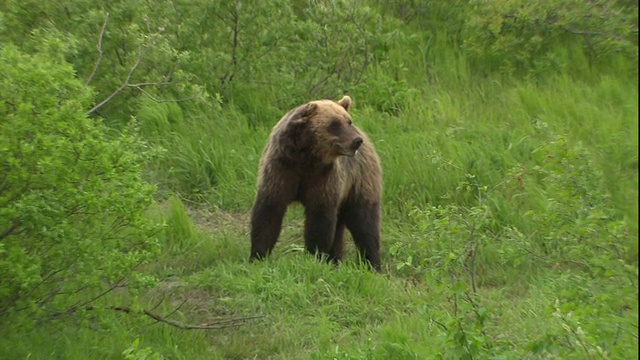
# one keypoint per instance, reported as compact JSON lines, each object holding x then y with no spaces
{"x":510,"y":211}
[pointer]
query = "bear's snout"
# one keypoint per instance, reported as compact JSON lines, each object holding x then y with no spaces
{"x":355,"y":144}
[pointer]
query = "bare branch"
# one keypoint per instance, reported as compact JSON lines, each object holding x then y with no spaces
{"x":158,"y":304}
{"x":122,"y":87}
{"x":155,"y":99}
{"x":149,"y":83}
{"x":118,"y":284}
{"x":95,"y":66}
{"x":44,"y":280}
{"x":174,"y":310}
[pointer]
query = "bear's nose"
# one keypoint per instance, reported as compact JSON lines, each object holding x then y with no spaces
{"x":357,"y":142}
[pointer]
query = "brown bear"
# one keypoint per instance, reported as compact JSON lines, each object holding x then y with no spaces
{"x":316,"y":156}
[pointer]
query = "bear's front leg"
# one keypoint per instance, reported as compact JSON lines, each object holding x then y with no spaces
{"x":320,"y":229}
{"x":277,"y":187}
{"x":266,"y":223}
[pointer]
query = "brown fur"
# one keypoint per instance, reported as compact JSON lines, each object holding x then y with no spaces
{"x":315,"y":156}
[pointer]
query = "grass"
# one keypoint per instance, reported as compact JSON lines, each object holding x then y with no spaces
{"x":469,"y":171}
{"x":311,"y":310}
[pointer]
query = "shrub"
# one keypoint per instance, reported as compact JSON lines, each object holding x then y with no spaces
{"x":527,"y":35}
{"x":71,"y":195}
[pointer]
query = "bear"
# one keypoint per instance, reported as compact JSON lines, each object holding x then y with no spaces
{"x":316,"y":156}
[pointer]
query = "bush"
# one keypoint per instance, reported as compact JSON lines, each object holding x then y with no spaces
{"x":527,"y":35}
{"x":71,"y":196}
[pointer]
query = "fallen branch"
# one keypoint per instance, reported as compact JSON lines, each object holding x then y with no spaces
{"x":218,"y":324}
{"x":95,"y":66}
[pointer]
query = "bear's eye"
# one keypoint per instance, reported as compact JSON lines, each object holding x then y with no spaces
{"x":350,"y":122}
{"x":335,"y":124}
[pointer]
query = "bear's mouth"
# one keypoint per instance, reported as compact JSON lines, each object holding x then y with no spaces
{"x":349,"y":151}
{"x":356,"y":145}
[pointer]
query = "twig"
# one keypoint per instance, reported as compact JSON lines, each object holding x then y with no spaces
{"x":443,"y":326}
{"x":122,"y":87}
{"x":55,"y":292}
{"x":474,"y":252}
{"x":471,"y":253}
{"x":149,"y":83}
{"x":476,"y":311}
{"x":365,"y":55}
{"x":158,"y":304}
{"x":46,"y":278}
{"x":575,"y":31}
{"x":577,"y":336}
{"x":177,"y":308}
{"x":110,"y":289}
{"x":95,"y":66}
{"x":155,"y":99}
{"x":466,"y":343}
{"x":15,"y":224}
{"x":555,"y":22}
{"x":17,"y":195}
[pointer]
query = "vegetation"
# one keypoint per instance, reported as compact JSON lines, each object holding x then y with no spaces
{"x":130,"y":133}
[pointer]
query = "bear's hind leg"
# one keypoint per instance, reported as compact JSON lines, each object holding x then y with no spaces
{"x":335,"y":253}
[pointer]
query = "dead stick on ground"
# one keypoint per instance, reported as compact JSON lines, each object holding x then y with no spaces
{"x":218,"y":324}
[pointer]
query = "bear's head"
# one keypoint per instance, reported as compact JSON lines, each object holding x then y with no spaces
{"x":322,"y":129}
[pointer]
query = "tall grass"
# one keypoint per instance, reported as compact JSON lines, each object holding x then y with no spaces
{"x":209,"y":157}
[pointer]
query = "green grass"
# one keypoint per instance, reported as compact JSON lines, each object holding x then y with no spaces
{"x":311,"y":310}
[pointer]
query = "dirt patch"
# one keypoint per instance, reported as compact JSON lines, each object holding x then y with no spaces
{"x":192,"y":302}
{"x":211,"y":221}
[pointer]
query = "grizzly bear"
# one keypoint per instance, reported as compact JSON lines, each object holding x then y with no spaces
{"x":316,"y":156}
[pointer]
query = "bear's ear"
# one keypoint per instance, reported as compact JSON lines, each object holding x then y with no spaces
{"x":297,"y":136}
{"x":345,"y":102}
{"x":303,"y":112}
